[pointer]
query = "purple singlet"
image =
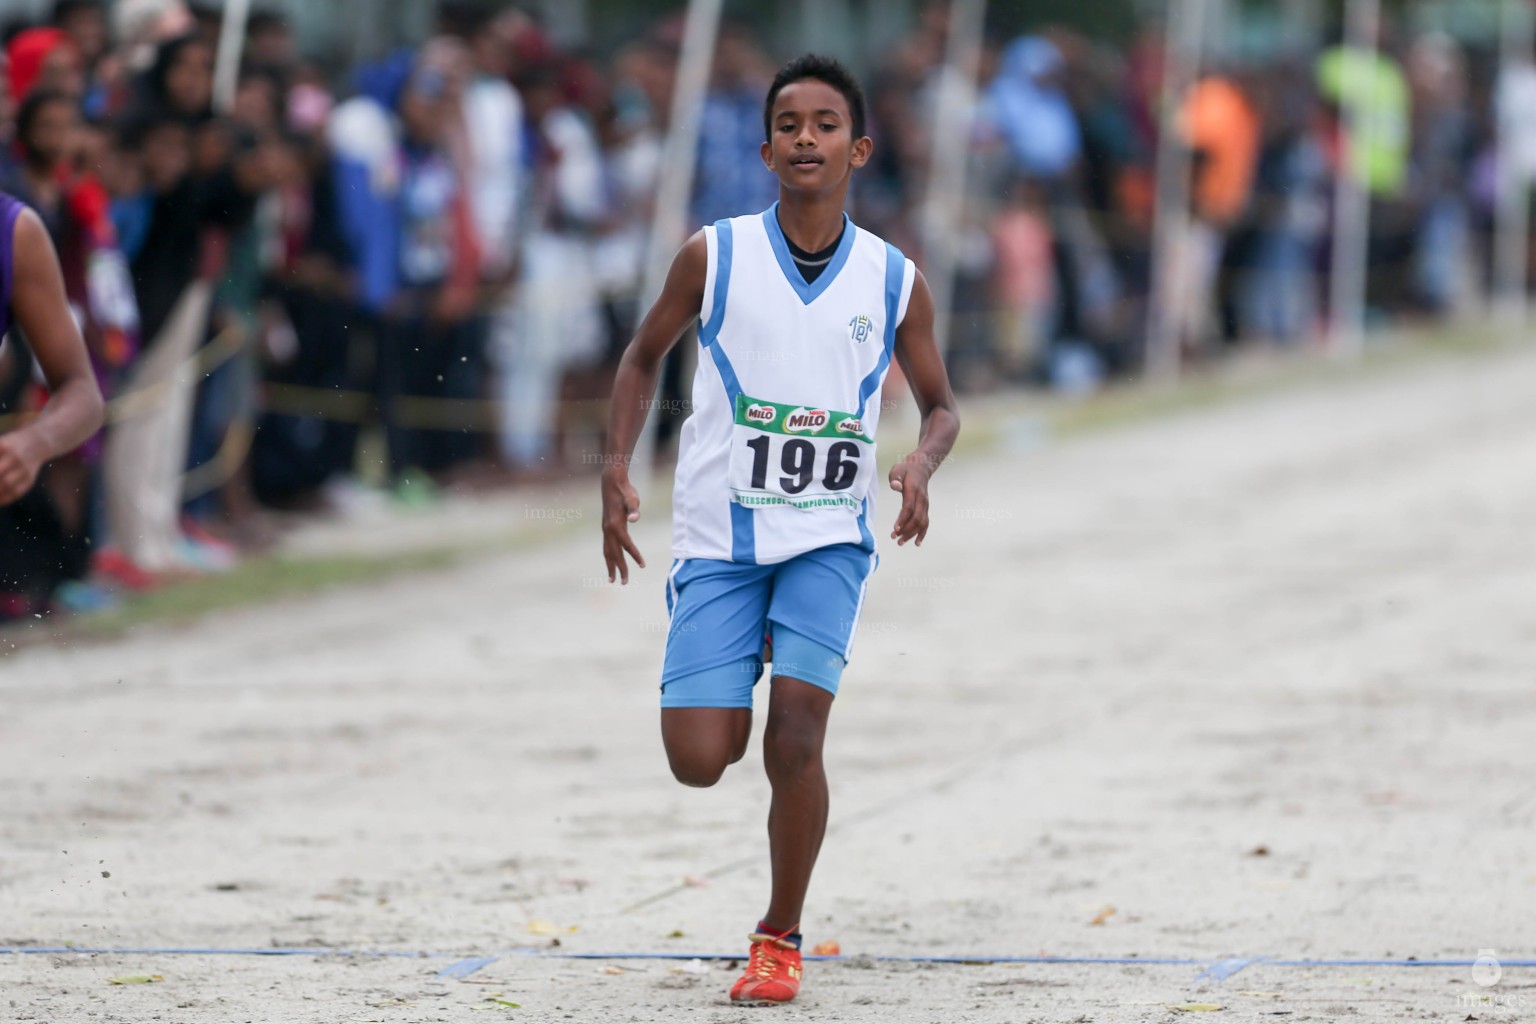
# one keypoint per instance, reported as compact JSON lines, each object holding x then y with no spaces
{"x":10,"y":209}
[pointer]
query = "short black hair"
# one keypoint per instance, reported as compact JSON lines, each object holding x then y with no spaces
{"x":266,"y":20}
{"x":464,"y":18}
{"x":63,"y":10}
{"x":822,"y":69}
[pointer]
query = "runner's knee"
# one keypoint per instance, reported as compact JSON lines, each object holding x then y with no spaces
{"x":693,"y":768}
{"x":702,"y":742}
{"x":792,"y":744}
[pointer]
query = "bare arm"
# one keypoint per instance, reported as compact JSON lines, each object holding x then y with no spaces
{"x":918,"y":356}
{"x":634,"y":386}
{"x":75,"y":410}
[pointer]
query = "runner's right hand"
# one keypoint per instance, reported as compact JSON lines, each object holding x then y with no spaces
{"x":621,"y":506}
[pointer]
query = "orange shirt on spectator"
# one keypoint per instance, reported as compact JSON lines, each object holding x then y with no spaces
{"x":1221,"y":126}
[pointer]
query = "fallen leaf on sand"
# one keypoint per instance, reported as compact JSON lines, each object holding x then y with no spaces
{"x":1195,"y":1007}
{"x":1259,"y":851}
{"x":537,"y":927}
{"x":1103,"y":915}
{"x":613,"y":970}
{"x":495,"y":1002}
{"x":135,"y":979}
{"x":675,"y":933}
{"x":695,"y":881}
{"x":827,"y":949}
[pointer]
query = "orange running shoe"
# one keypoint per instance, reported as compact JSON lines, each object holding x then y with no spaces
{"x":773,"y":972}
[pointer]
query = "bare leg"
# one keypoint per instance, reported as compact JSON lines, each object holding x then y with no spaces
{"x":797,"y":819}
{"x":701,"y":742}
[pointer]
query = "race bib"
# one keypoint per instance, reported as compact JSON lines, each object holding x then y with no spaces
{"x":802,"y":456}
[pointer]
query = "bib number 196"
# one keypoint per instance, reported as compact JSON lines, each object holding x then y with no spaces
{"x":803,"y":457}
{"x":797,"y":460}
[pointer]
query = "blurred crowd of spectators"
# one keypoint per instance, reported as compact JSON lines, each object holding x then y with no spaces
{"x":343,"y":288}
{"x":1060,"y":282}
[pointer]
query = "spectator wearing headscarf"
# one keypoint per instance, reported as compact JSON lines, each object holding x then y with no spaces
{"x":44,"y":58}
{"x":1028,"y":106}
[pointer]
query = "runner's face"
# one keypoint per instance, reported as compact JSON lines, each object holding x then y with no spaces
{"x":810,"y":141}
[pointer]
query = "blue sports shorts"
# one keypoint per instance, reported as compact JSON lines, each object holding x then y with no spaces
{"x":722,"y":611}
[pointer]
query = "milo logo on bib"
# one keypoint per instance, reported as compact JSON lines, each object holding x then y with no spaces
{"x":799,"y":420}
{"x":761,"y":415}
{"x":806,"y":421}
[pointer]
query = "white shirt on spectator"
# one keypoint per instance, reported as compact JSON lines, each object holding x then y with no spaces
{"x":493,"y":113}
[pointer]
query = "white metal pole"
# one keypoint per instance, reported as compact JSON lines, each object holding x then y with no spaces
{"x":700,"y":31}
{"x":1184,"y":34}
{"x":1352,"y":211}
{"x":226,"y":73}
{"x":1512,"y":231}
{"x":954,"y":112}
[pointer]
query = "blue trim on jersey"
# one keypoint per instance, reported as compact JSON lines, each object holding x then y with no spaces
{"x":895,"y":273}
{"x":709,"y":334}
{"x":728,"y":375}
{"x":808,"y":291}
{"x":743,"y":526}
{"x":743,"y":534}
{"x":866,"y":539}
{"x":709,"y":331}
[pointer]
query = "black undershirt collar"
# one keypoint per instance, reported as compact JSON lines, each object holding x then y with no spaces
{"x":811,"y":264}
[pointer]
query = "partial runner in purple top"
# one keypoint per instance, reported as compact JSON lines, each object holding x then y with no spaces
{"x":10,"y":209}
{"x":32,"y":297}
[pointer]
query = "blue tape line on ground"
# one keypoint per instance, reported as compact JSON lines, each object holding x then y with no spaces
{"x":1392,"y":963}
{"x":464,"y":968}
{"x":544,"y":954}
{"x":1221,"y":970}
{"x":200,"y":951}
{"x":891,"y":959}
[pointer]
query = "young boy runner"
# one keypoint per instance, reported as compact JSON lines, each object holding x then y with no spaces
{"x":800,"y":314}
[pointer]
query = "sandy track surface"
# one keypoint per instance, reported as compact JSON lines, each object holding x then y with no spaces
{"x":1248,"y":682}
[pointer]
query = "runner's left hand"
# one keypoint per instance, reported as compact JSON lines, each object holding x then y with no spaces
{"x":909,"y":478}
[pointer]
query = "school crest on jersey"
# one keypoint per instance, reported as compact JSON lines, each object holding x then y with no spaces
{"x":860,"y":328}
